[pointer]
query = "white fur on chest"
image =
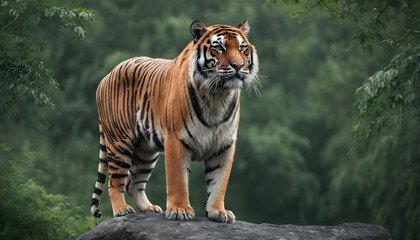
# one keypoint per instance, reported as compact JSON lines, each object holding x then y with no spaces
{"x":207,"y":142}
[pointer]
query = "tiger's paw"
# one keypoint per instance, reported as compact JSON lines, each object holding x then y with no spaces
{"x":153,"y":208}
{"x":180,"y":213}
{"x":223,"y":216}
{"x":124,"y":210}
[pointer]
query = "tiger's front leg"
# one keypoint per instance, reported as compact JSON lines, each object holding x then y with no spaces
{"x":177,"y":162}
{"x":217,"y":172}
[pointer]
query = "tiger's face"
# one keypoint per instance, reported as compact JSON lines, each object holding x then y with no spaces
{"x":224,"y":58}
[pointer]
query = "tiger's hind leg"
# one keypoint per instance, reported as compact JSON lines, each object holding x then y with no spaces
{"x":143,"y":163}
{"x":119,"y":163}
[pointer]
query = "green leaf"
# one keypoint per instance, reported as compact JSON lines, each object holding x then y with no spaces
{"x":355,"y":19}
{"x":332,"y":17}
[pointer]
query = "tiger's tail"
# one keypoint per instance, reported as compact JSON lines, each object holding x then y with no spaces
{"x":102,"y":172}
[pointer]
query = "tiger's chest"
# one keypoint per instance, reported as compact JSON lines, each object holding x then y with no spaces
{"x":202,"y":141}
{"x":205,"y":143}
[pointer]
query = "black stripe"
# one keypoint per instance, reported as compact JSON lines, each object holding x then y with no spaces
{"x":143,"y":107}
{"x":230,"y":109}
{"x":205,"y":75}
{"x":186,"y":145}
{"x":250,"y":66}
{"x":119,"y":163}
{"x":189,"y":170}
{"x":111,"y":154}
{"x":118,"y":175}
{"x":97,"y":191}
{"x":196,"y":105}
{"x":173,"y":125}
{"x":112,"y":167}
{"x":186,"y":128}
{"x":97,"y":213}
{"x":129,"y":145}
{"x":102,"y":147}
{"x":222,"y":150}
{"x":208,"y":182}
{"x":95,"y":202}
{"x":142,"y":181}
{"x":142,"y":171}
{"x":140,"y":189}
{"x":198,"y":51}
{"x":133,"y":82}
{"x":220,"y":30}
{"x":146,"y":121}
{"x":124,"y":151}
{"x":138,"y":159}
{"x":157,"y":142}
{"x":146,"y":171}
{"x":103,"y":161}
{"x":155,"y":138}
{"x":209,"y":170}
{"x":101,"y":178}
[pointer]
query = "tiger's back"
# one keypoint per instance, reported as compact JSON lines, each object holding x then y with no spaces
{"x":128,"y":101}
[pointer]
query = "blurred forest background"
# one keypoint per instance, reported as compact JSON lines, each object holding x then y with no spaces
{"x":333,"y":138}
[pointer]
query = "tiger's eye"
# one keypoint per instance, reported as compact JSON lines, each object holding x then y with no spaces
{"x":218,"y":48}
{"x":243,"y":48}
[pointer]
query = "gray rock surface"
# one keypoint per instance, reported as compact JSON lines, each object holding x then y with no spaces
{"x":156,"y":226}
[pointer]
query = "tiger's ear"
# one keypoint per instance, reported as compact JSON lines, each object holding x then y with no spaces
{"x":244,"y":27}
{"x":197,"y":30}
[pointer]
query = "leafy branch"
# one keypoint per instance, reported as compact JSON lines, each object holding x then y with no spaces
{"x":391,"y":95}
{"x":24,"y":77}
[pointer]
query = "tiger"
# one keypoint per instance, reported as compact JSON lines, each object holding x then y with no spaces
{"x":187,"y":108}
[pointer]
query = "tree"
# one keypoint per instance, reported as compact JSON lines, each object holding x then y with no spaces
{"x":24,"y":77}
{"x":376,"y":179}
{"x":27,"y":211}
{"x":391,"y":95}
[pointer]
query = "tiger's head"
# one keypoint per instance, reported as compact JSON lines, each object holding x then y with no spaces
{"x":224,"y":58}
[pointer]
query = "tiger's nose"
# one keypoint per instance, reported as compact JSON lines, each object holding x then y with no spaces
{"x":237,"y":65}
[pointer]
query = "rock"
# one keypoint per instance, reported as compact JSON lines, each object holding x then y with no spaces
{"x":155,"y":226}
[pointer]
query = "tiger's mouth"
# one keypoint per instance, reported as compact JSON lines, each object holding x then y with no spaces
{"x":218,"y":81}
{"x":232,"y":81}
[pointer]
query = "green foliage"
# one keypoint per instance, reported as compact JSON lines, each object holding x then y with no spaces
{"x":391,"y":97}
{"x":28,"y":212}
{"x":383,"y":162}
{"x":370,"y":20}
{"x":24,"y":76}
{"x":386,"y":22}
{"x":378,"y":180}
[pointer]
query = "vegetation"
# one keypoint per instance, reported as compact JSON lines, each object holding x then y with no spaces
{"x":384,"y":161}
{"x":28,"y":212}
{"x":24,"y":77}
{"x":333,"y":138}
